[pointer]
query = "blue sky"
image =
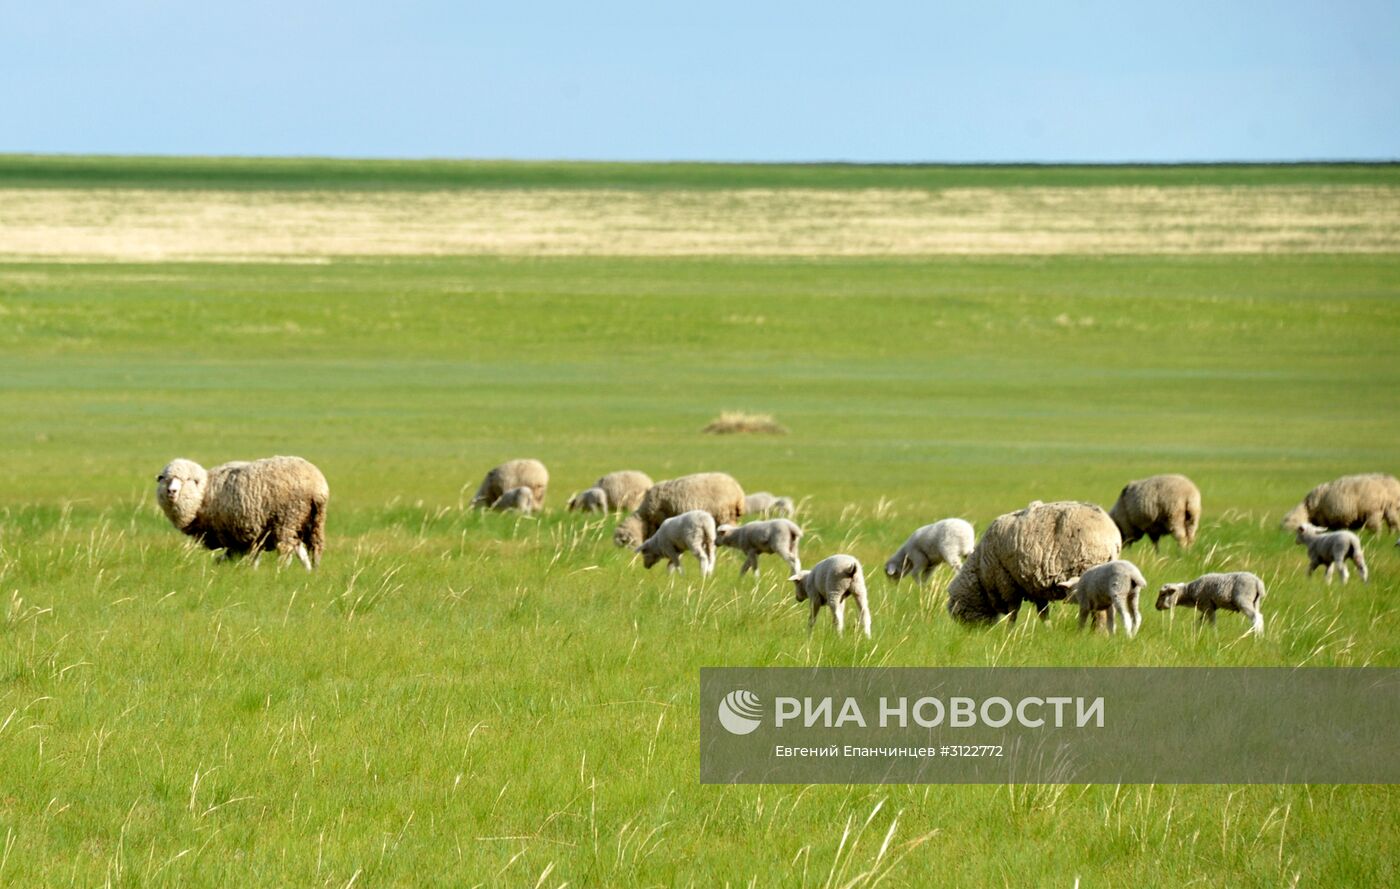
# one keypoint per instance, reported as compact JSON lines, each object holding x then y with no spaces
{"x":870,"y":81}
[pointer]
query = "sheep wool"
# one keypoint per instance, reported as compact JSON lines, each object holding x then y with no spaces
{"x":513,"y":474}
{"x":1351,"y":502}
{"x":624,"y":488}
{"x":715,"y":492}
{"x":1026,"y":555}
{"x":278,"y":503}
{"x":1156,"y":507}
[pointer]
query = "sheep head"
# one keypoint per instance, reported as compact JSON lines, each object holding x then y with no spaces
{"x":1169,"y":595}
{"x":799,"y":581}
{"x":180,"y":491}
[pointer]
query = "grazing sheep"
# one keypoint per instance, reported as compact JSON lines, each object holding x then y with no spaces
{"x":830,"y":582}
{"x":1025,"y":555}
{"x":690,"y":532}
{"x":1156,"y":507}
{"x":765,"y":504}
{"x":1113,"y":587}
{"x":625,"y":488}
{"x":1350,"y":503}
{"x":521,"y":499}
{"x":275,"y":503}
{"x":1332,"y":548}
{"x":947,"y":541}
{"x":513,"y":474}
{"x":593,"y":499}
{"x":715,"y":492}
{"x":1238,"y":591}
{"x":774,"y":537}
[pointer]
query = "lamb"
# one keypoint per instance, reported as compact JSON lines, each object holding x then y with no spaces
{"x":624,"y":488}
{"x":765,"y":504}
{"x":1025,"y":555}
{"x":513,"y":474}
{"x":1113,"y":587}
{"x":1332,"y":548}
{"x":1156,"y":507}
{"x":593,"y":499}
{"x":774,"y":537}
{"x":1238,"y":591}
{"x":521,"y":499}
{"x":831,"y":582}
{"x":275,"y":503}
{"x":1350,"y":503}
{"x":690,"y":532}
{"x":948,"y":541}
{"x":715,"y":492}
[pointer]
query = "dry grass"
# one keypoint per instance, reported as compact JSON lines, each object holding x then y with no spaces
{"x":150,"y":224}
{"x":738,"y":422}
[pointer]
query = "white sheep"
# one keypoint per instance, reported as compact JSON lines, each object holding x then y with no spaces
{"x":1332,"y":548}
{"x":528,"y":473}
{"x":1238,"y":591}
{"x":830,"y":582}
{"x":773,"y":537}
{"x":593,"y":499}
{"x":690,"y":532}
{"x":275,"y":503}
{"x":764,"y":503}
{"x":1113,"y":587}
{"x":945,"y":542}
{"x":521,"y":499}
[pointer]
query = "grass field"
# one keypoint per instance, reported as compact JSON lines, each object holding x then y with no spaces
{"x":458,"y":698}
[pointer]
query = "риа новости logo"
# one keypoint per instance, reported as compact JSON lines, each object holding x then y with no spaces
{"x":740,"y":712}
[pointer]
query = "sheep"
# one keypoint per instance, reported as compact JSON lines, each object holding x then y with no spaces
{"x":513,"y":474}
{"x":1113,"y":587}
{"x":775,"y":537}
{"x":830,"y":582}
{"x":765,"y":504}
{"x":275,"y":503}
{"x":690,"y":532}
{"x":1238,"y":591}
{"x":1156,"y":507}
{"x":1332,"y":548}
{"x":521,"y":498}
{"x":1025,"y":555}
{"x":593,"y":499}
{"x":715,"y":492}
{"x":1350,"y":503}
{"x":624,"y":488}
{"x":947,"y":541}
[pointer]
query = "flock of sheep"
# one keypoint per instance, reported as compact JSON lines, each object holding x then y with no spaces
{"x":1043,"y":553}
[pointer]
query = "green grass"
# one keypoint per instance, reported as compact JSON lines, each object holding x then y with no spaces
{"x":87,"y":171}
{"x":459,"y":698}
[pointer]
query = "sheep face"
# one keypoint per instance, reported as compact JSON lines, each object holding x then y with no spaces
{"x":896,"y":568}
{"x":628,"y":532}
{"x":799,"y":581}
{"x":722,"y":533}
{"x":1170,"y":594}
{"x":180,"y":491}
{"x":648,"y":552}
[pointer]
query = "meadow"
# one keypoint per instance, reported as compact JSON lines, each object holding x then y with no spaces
{"x":459,"y":698}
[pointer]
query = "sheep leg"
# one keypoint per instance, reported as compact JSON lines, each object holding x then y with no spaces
{"x":815,"y":608}
{"x":1330,"y":567}
{"x":750,"y":564}
{"x":1042,"y":610}
{"x":1083,"y":615}
{"x":864,"y":607}
{"x":1342,"y":566}
{"x":1208,"y":616}
{"x":1108,"y":620}
{"x":792,"y":560}
{"x":1256,"y":619}
{"x":1360,"y":562}
{"x":304,"y":556}
{"x":1134,"y":613}
{"x":838,"y":614}
{"x":1312,"y":566}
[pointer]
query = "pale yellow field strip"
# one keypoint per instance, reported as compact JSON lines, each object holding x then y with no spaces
{"x":136,"y":224}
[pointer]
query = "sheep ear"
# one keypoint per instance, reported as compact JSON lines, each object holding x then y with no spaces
{"x":1068,"y":584}
{"x":795,"y":577}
